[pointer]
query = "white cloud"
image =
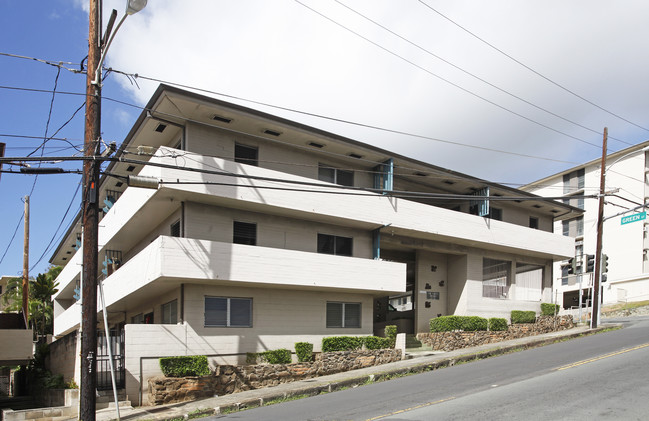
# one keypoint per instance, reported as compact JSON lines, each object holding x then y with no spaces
{"x":282,"y":53}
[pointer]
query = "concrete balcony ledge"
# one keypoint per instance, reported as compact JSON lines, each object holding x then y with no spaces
{"x":172,"y":260}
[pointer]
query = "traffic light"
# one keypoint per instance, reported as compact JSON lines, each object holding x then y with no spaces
{"x":604,"y":264}
{"x":572,"y":266}
{"x":590,"y":263}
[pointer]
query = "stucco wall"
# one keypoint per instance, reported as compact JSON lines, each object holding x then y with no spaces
{"x":280,"y":318}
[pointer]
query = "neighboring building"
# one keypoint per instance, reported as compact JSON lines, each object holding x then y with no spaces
{"x":625,"y":243}
{"x":265,"y":232}
{"x":16,"y":341}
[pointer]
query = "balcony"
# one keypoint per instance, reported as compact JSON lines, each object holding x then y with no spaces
{"x":169,"y":261}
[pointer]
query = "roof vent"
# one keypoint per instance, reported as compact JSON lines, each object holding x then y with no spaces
{"x":316,"y":145}
{"x":421,"y":174}
{"x":272,"y":132}
{"x":537,"y":206}
{"x":130,"y":168}
{"x":221,"y":119}
{"x":355,"y":155}
{"x":160,"y":128}
{"x":449,"y":182}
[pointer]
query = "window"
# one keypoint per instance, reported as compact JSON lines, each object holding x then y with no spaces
{"x":228,"y":312}
{"x":332,"y":244}
{"x":170,"y":312}
{"x":335,"y":175}
{"x":175,"y":229}
{"x":496,"y":214}
{"x":534,"y":223}
{"x":343,"y":315}
{"x":246,"y":154}
{"x":495,"y":278}
{"x":140,"y":319}
{"x":245,"y":233}
{"x":574,"y":227}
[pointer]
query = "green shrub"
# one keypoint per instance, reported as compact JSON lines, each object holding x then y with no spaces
{"x":376,"y":342}
{"x":451,"y":323}
{"x":391,"y":333}
{"x":304,"y":351}
{"x":497,"y":324}
{"x":474,"y":323}
{"x":276,"y":356}
{"x":341,"y":343}
{"x":195,"y":365}
{"x":519,"y":316}
{"x":548,"y":309}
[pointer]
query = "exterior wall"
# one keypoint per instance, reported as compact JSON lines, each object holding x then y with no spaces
{"x":64,"y":357}
{"x":280,"y":318}
{"x":15,"y":345}
{"x":457,"y":279}
{"x":215,"y":223}
{"x":625,"y":245}
{"x":431,"y":270}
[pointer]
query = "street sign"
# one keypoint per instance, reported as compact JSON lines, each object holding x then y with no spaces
{"x":633,"y":218}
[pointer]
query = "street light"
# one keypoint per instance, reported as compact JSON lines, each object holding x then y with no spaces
{"x":90,"y":208}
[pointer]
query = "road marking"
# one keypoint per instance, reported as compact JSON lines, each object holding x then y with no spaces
{"x":411,"y":409}
{"x":612,"y":354}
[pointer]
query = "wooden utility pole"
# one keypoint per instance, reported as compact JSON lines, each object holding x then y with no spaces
{"x":90,"y":209}
{"x":600,"y":229}
{"x":26,"y":266}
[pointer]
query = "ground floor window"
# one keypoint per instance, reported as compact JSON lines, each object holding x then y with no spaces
{"x":343,"y":314}
{"x":495,"y":278}
{"x":170,"y":312}
{"x":228,"y":312}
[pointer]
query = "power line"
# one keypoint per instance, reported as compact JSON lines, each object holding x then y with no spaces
{"x":475,"y":76}
{"x":532,"y":70}
{"x":338,"y":120}
{"x":49,"y":245}
{"x":446,"y":80}
{"x":59,"y":64}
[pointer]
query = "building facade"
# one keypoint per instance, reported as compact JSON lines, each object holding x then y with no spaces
{"x":625,"y":229}
{"x":263,"y":232}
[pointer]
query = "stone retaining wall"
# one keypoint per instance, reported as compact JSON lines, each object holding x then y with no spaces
{"x":237,"y":378}
{"x":449,"y":341}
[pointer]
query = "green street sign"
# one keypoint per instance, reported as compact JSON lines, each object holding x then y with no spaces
{"x":633,"y":218}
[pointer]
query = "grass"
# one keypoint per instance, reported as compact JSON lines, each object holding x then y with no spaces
{"x":625,"y":306}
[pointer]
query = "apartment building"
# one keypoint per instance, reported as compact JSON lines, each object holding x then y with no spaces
{"x":263,"y":232}
{"x":625,"y":229}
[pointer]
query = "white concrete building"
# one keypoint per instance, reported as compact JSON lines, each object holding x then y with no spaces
{"x":625,"y":240}
{"x":265,"y":232}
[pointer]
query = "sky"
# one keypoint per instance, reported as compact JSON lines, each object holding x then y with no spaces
{"x":508,"y":91}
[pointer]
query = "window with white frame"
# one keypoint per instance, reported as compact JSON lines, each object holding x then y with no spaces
{"x":170,"y":312}
{"x":228,"y":312}
{"x":345,"y":315}
{"x":496,"y":276}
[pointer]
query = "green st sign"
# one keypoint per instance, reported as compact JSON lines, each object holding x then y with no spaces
{"x":633,"y":218}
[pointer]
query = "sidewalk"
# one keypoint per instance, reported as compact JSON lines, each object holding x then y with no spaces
{"x":419,"y":362}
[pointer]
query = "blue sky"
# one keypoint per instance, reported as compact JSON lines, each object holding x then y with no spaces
{"x":325,"y":57}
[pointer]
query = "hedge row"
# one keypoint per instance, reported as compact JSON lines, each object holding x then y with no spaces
{"x":304,"y":351}
{"x":467,"y":324}
{"x":195,"y":365}
{"x":350,"y":343}
{"x":519,"y":316}
{"x":548,"y":309}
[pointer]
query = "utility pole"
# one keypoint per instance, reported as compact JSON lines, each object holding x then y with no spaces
{"x":90,"y":209}
{"x":600,"y":228}
{"x":26,"y":265}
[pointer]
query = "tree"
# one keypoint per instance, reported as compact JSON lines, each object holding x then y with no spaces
{"x":41,"y":289}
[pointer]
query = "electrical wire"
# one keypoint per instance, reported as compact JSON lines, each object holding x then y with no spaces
{"x":477,"y":77}
{"x":20,"y":220}
{"x":447,"y":80}
{"x":59,"y":64}
{"x":49,"y":245}
{"x":531,"y":69}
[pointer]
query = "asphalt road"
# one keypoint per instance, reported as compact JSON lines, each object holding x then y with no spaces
{"x":602,"y":376}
